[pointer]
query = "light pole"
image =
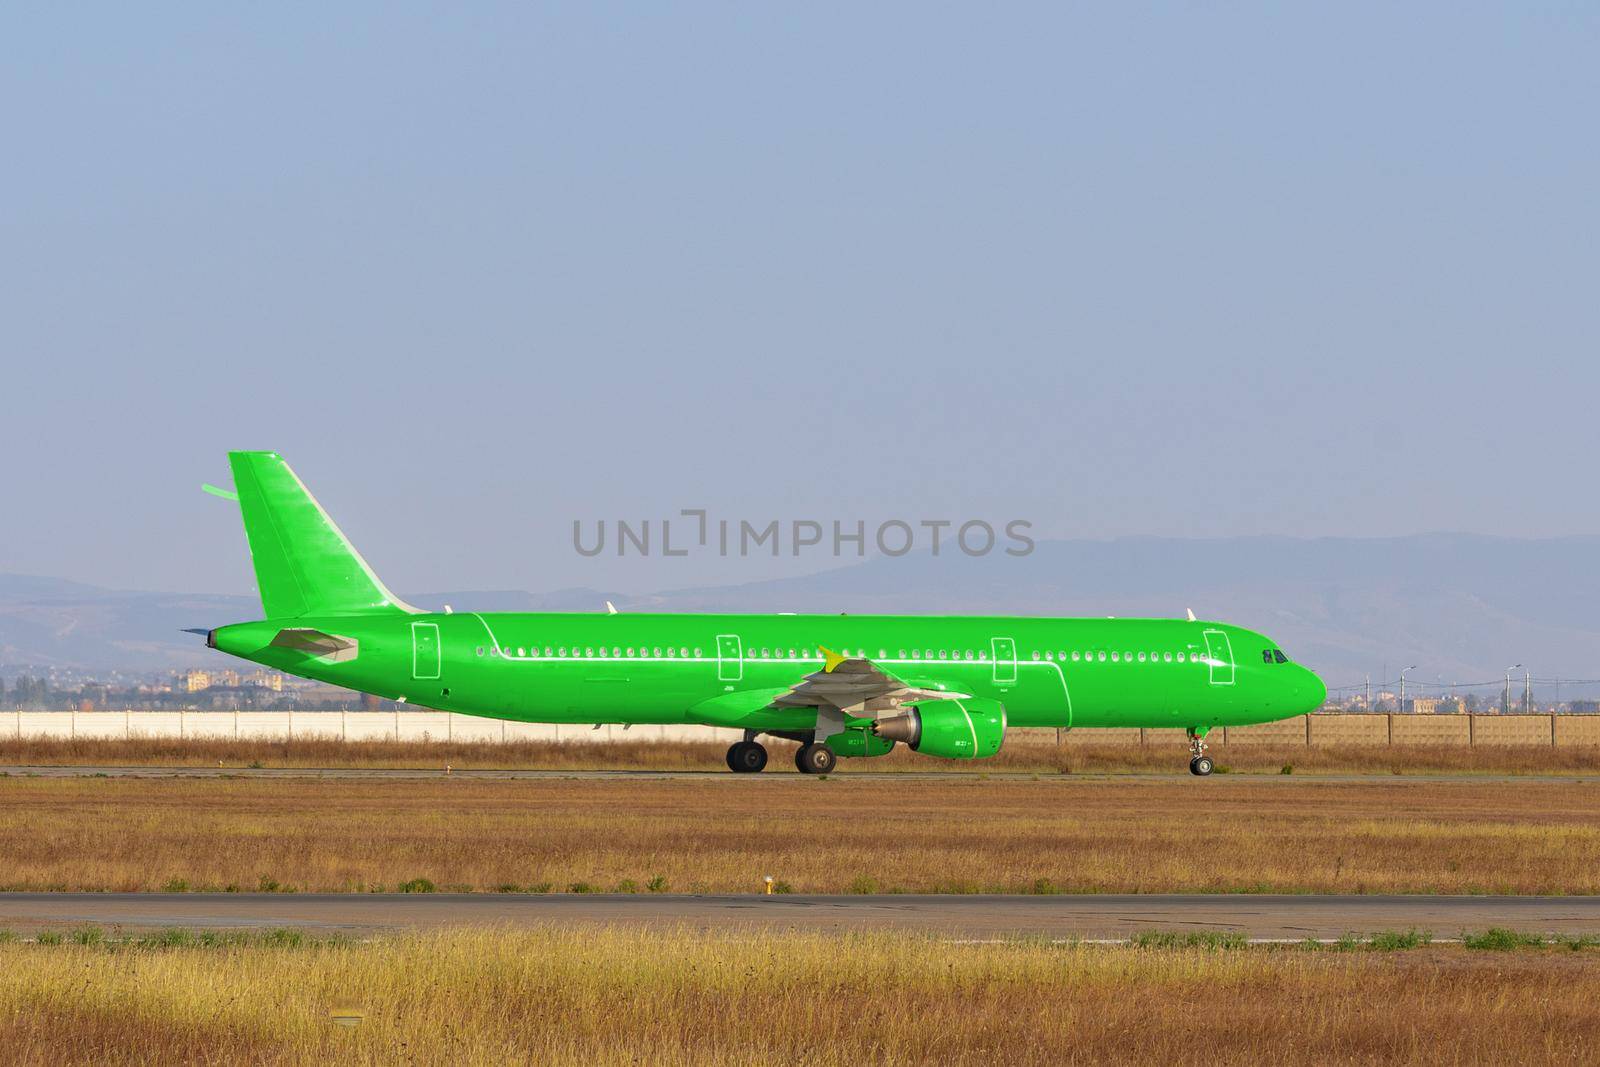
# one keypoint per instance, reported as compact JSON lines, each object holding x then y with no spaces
{"x":1505,"y":694}
{"x":1403,"y":686}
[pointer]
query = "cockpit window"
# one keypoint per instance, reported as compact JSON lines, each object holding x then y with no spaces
{"x":1278,"y":656}
{"x":1273,"y":655}
{"x":1266,"y":655}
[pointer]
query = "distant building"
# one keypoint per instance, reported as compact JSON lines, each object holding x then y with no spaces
{"x":1423,"y":705}
{"x":192,"y":681}
{"x":263,"y":680}
{"x":1585,"y":707}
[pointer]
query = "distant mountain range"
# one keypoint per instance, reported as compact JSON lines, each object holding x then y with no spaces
{"x":1457,"y":605}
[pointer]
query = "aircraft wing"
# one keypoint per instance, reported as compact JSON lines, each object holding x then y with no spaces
{"x":856,"y":685}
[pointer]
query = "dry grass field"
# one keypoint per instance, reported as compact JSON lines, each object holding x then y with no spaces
{"x":1030,"y":752}
{"x":1012,"y":834}
{"x":612,"y":996}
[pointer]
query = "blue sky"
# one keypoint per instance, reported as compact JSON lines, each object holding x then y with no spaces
{"x":1128,"y":269}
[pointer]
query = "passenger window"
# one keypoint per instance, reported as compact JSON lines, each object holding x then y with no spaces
{"x":1115,"y":658}
{"x":1074,"y":657}
{"x":480,"y":650}
{"x":1180,"y":657}
{"x":1141,"y":657}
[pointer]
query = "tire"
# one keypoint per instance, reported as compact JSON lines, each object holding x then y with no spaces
{"x":1200,"y":766}
{"x":746,"y":757}
{"x":815,"y":759}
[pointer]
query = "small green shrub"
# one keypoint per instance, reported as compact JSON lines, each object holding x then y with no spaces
{"x":175,"y":885}
{"x":658,"y":884}
{"x":173,"y":938}
{"x":864,"y":884}
{"x":1499,"y":939}
{"x":1211,"y":940}
{"x":1576,"y":942}
{"x":581,"y":887}
{"x":416,"y":885}
{"x":1396,"y":940}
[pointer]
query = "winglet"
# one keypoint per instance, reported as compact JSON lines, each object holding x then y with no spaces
{"x":611,"y":609}
{"x":1191,"y":614}
{"x":830,"y":659}
{"x":226,"y":494}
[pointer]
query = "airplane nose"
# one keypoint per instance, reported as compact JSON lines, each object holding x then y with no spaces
{"x":1312,"y":689}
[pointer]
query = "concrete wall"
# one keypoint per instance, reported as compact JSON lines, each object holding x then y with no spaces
{"x":1339,"y":729}
{"x":1324,"y":729}
{"x":348,"y":725}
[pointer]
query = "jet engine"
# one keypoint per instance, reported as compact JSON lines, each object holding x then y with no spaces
{"x":952,"y":729}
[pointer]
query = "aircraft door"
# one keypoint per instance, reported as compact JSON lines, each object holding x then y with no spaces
{"x":426,"y":654}
{"x":730,"y":658}
{"x":1219,"y":653}
{"x":1005,"y":660}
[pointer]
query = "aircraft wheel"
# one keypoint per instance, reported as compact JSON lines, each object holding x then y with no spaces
{"x":746,"y":757}
{"x":1200,"y":765}
{"x":815,"y":759}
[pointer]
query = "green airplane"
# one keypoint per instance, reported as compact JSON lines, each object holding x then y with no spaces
{"x":840,"y":685}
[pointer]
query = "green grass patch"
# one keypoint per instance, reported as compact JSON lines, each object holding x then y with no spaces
{"x":1499,"y":939}
{"x":1210,"y":940}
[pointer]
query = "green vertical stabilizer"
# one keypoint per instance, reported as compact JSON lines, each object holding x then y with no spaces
{"x":304,"y":564}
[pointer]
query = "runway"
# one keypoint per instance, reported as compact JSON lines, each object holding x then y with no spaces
{"x":578,"y":774}
{"x":1085,"y":916}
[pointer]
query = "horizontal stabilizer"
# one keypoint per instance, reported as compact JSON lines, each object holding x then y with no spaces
{"x":324,"y":646}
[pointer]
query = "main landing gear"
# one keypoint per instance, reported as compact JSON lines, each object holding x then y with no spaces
{"x":749,"y":756}
{"x":1199,"y":762}
{"x":746,"y":757}
{"x":813,"y":758}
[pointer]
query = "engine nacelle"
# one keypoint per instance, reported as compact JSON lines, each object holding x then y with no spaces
{"x":951,"y":729}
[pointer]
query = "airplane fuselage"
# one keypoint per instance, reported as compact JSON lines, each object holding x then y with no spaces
{"x":724,"y":670}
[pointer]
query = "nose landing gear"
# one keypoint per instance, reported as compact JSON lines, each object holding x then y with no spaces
{"x":1199,"y":762}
